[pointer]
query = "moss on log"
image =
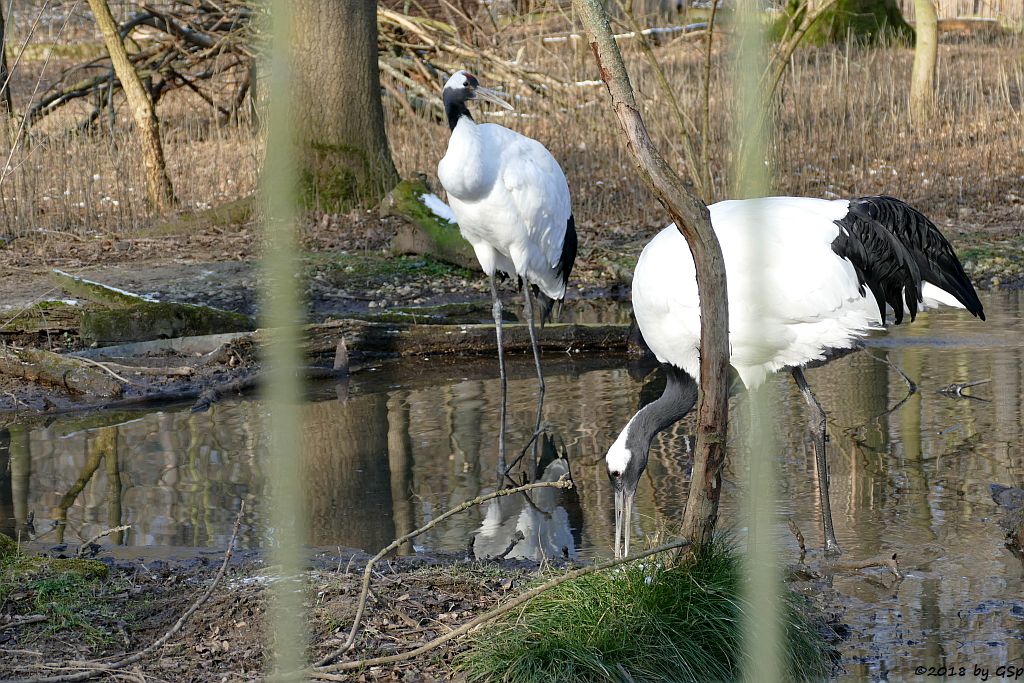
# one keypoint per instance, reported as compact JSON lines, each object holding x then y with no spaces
{"x":866,"y":21}
{"x":425,"y":232}
{"x":94,"y":291}
{"x":77,"y":376}
{"x":158,"y":320}
{"x":43,"y":316}
{"x":132,"y":318}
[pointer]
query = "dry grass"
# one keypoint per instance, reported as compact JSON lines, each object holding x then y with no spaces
{"x":842,"y":129}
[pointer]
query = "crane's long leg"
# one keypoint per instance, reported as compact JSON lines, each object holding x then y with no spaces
{"x":540,"y":373}
{"x":496,"y":310}
{"x":816,"y":426}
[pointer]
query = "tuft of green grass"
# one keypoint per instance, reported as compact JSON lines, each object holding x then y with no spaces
{"x":643,"y":622}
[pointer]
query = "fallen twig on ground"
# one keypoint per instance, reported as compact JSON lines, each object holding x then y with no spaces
{"x":82,"y":548}
{"x":106,"y":368}
{"x":15,"y":621}
{"x":107,"y":667}
{"x":562,"y":483}
{"x":326,"y":673}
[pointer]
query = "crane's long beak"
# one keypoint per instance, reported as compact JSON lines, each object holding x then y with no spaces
{"x":623,"y":515}
{"x":493,"y":96}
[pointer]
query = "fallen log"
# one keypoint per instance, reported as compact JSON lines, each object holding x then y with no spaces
{"x":41,"y":317}
{"x":397,"y":339}
{"x":367,"y":341}
{"x":182,"y":346}
{"x":428,"y":229}
{"x":73,"y":374}
{"x":158,"y":320}
{"x":126,"y":317}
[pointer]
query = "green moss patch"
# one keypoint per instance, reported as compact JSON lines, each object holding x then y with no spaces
{"x":69,"y":592}
{"x":643,"y":622}
{"x":865,"y":21}
{"x":159,"y":320}
{"x":371,"y":270}
{"x":336,"y":178}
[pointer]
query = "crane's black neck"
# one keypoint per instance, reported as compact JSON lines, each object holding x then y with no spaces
{"x":455,"y":106}
{"x":676,"y":401}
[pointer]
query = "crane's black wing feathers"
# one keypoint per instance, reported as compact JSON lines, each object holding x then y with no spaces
{"x":563,"y":270}
{"x":894,"y":248}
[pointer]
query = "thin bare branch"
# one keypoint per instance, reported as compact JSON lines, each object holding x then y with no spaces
{"x":562,"y":483}
{"x":694,"y":222}
{"x":326,"y":673}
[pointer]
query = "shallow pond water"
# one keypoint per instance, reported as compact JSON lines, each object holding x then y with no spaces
{"x":413,"y":439}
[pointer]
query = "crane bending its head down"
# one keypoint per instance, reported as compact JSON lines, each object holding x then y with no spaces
{"x":824,"y":273}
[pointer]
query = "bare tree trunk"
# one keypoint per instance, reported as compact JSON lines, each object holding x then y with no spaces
{"x":5,"y":85}
{"x":338,"y":114}
{"x":161,"y":194}
{"x":926,"y":52}
{"x":694,"y":222}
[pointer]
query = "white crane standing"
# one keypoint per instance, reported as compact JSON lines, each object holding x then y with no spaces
{"x":511,"y":201}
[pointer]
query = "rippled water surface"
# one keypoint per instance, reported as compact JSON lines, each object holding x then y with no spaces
{"x":413,"y":439}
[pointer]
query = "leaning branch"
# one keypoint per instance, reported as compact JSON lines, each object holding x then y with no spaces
{"x":694,"y":221}
{"x":562,"y":483}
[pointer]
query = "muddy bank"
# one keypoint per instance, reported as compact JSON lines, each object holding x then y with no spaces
{"x":348,"y":272}
{"x":144,"y":594}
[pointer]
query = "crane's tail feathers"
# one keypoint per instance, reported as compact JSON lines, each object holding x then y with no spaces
{"x":895,"y":249}
{"x":550,"y":309}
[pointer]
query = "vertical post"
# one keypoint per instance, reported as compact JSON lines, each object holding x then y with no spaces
{"x":926,"y":54}
{"x":282,"y":307}
{"x":762,"y":635}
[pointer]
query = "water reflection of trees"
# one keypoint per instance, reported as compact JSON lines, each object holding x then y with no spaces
{"x":402,"y":450}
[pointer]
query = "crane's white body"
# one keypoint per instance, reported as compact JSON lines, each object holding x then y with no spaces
{"x":791,"y":297}
{"x":511,"y":201}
